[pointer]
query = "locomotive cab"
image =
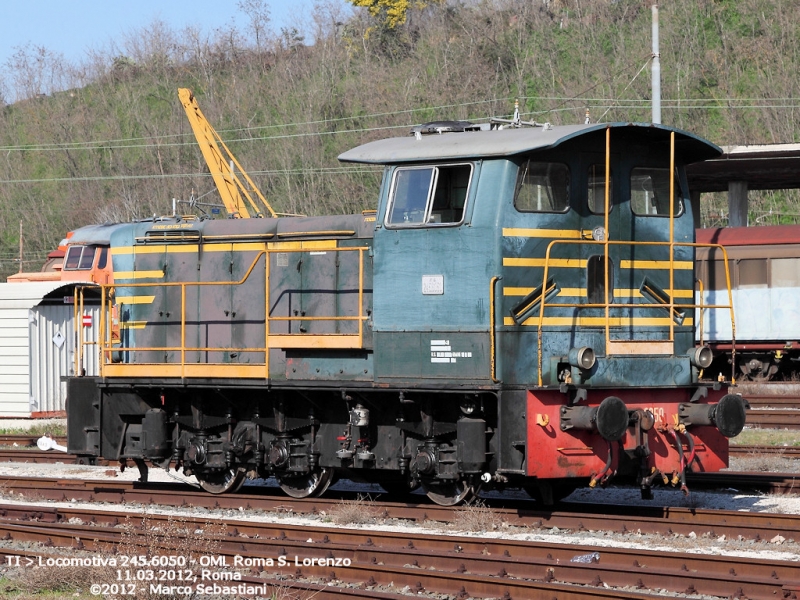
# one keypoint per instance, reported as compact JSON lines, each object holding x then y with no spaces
{"x":585,"y":238}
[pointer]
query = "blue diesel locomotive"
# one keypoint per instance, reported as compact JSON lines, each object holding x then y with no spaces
{"x":518,"y":311}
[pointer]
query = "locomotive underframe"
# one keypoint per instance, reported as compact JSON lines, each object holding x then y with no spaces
{"x":450,"y":442}
{"x":215,"y":427}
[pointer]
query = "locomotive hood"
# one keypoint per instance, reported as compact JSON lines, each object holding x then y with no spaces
{"x":508,"y":142}
{"x":94,"y":234}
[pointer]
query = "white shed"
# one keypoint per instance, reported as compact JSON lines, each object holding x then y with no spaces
{"x":37,"y":346}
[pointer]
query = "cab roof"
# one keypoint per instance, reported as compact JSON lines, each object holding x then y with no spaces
{"x":512,"y":141}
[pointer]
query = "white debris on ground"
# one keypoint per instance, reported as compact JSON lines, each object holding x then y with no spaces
{"x":776,"y":549}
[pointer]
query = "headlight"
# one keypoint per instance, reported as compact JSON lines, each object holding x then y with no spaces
{"x":702,"y":357}
{"x":583,"y":358}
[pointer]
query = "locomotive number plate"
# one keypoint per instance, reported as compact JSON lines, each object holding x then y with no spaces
{"x":432,"y":285}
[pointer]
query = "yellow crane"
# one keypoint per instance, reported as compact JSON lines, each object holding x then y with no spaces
{"x":231,"y":188}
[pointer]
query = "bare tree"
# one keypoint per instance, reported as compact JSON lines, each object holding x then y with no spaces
{"x":35,"y":71}
{"x":258,"y":12}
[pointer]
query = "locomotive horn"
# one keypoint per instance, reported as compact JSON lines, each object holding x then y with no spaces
{"x":610,"y":419}
{"x":728,"y":414}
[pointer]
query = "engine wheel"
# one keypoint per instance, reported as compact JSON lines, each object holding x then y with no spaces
{"x":549,"y":492}
{"x":449,"y":493}
{"x":305,"y":486}
{"x":220,"y":483}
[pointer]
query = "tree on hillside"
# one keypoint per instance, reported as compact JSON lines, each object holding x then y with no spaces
{"x":115,"y":143}
{"x":258,"y":12}
{"x":392,"y":13}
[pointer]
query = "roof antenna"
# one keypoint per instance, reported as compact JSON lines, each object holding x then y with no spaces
{"x":516,"y":121}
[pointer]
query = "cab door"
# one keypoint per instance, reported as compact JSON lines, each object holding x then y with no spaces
{"x":638,"y":273}
{"x":431,"y":285}
{"x":592,"y":195}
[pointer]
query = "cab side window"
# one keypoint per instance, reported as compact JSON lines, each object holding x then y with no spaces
{"x":429,"y":195}
{"x":596,"y":186}
{"x":650,"y":192}
{"x":542,"y":187}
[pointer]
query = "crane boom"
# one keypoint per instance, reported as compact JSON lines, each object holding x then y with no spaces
{"x":232,"y":190}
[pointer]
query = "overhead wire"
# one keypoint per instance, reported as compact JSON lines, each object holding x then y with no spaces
{"x":104,"y":144}
{"x":154,"y":141}
{"x":267,"y":172}
{"x":639,"y":72}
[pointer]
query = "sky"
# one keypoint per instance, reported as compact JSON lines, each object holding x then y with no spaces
{"x":71,"y":27}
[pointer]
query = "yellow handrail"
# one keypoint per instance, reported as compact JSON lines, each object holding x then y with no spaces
{"x":318,"y":338}
{"x":702,"y":309}
{"x":606,"y":239}
{"x":606,"y":305}
{"x":492,"y":332}
{"x":671,"y":234}
{"x":607,"y":243}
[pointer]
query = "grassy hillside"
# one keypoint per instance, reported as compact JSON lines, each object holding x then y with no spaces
{"x":118,"y":145}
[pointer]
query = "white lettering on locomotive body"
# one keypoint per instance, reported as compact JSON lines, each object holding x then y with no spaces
{"x":442,"y":352}
{"x":432,"y":285}
{"x":658,"y":412}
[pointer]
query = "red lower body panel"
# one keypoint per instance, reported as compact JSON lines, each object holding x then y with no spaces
{"x":553,"y":453}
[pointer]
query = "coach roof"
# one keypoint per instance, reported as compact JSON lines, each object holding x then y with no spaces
{"x":513,"y":141}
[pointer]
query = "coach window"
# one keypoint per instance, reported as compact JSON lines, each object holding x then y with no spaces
{"x":429,"y":195}
{"x":784,"y":273}
{"x":752,"y":273}
{"x":717,"y":279}
{"x":596,"y":185}
{"x":542,"y":187}
{"x":650,"y":192}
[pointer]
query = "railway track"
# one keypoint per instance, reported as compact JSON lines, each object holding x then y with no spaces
{"x":782,"y":451}
{"x":32,"y":455}
{"x":516,"y":513}
{"x":461,"y":566}
{"x":773,"y":405}
{"x":779,"y":418}
{"x":26,"y":440}
{"x":776,"y":483}
{"x":775,"y":394}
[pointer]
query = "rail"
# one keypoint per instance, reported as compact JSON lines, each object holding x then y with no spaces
{"x":109,"y":347}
